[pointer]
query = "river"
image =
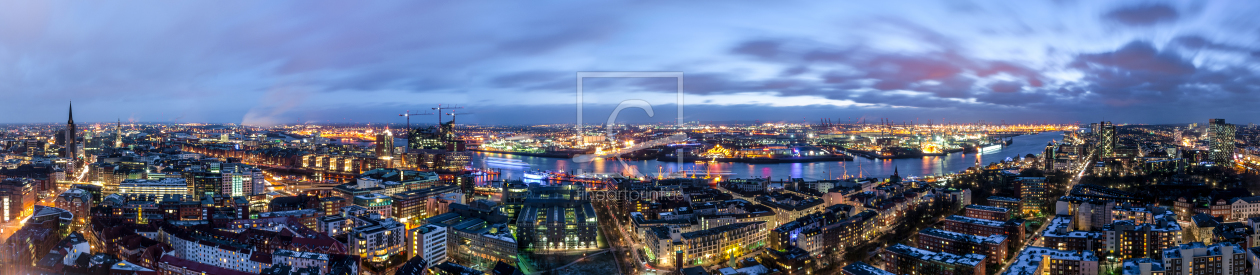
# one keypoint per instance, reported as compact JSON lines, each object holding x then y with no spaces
{"x":1022,"y":145}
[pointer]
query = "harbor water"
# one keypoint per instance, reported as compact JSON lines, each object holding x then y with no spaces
{"x":514,"y":166}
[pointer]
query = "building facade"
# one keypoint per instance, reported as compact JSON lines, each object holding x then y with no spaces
{"x":1198,"y":259}
{"x":165,"y":186}
{"x":1220,"y":142}
{"x":987,"y":212}
{"x":993,"y":246}
{"x":1035,"y":260}
{"x":427,"y":242}
{"x":903,"y":259}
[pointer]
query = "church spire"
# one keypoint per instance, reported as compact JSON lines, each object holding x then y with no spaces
{"x":118,"y":134}
{"x":71,"y":136}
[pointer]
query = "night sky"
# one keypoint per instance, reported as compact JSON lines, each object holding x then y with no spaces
{"x":514,"y":62}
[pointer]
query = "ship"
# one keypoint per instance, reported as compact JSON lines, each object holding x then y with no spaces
{"x":506,"y":162}
{"x":537,"y":175}
{"x":990,"y":148}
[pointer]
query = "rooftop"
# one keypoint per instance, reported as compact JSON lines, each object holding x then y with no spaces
{"x":162,"y":181}
{"x":1199,"y":249}
{"x":860,"y":268}
{"x":1003,"y":199}
{"x":371,"y":196}
{"x":993,"y":239}
{"x":969,"y":259}
{"x":988,"y":208}
{"x":1028,"y":260}
{"x":975,"y":221}
{"x":1060,"y":225}
{"x":1134,"y":266}
{"x":299,"y":254}
{"x":719,"y":229}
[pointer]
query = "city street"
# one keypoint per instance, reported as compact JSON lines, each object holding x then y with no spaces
{"x":621,"y":242}
{"x":1036,"y":236}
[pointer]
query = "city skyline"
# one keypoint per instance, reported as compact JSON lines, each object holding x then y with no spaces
{"x":1054,"y":61}
{"x":394,"y":137}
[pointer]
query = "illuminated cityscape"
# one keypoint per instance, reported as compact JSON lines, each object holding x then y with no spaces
{"x":416,"y":138}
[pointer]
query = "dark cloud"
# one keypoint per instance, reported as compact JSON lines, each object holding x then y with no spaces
{"x":900,"y":99}
{"x":290,"y":61}
{"x":1139,"y":75}
{"x":1196,"y":42}
{"x":1138,"y":56}
{"x":535,"y":80}
{"x":762,"y":48}
{"x":1143,"y":15}
{"x":1006,"y":87}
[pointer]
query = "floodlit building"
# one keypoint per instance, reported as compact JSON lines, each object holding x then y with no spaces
{"x":557,"y":218}
{"x":378,"y":203}
{"x":165,"y":186}
{"x":427,"y":242}
{"x":377,"y":239}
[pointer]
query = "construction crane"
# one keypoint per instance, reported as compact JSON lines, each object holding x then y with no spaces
{"x":453,"y":114}
{"x":439,"y":109}
{"x":408,"y":115}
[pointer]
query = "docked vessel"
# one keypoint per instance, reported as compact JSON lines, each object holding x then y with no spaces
{"x":506,"y":162}
{"x":537,"y":175}
{"x":990,"y":148}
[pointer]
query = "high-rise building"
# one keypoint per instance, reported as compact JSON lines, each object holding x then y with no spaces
{"x":1032,"y":192}
{"x":1107,"y":136}
{"x":428,"y":242}
{"x":1047,"y":157}
{"x":72,"y":144}
{"x":1220,"y":142}
{"x":385,"y":144}
{"x":428,"y":138}
{"x":442,"y":137}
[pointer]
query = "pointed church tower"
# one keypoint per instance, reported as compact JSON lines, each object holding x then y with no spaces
{"x":72,"y":143}
{"x":896,"y":176}
{"x":118,"y":134}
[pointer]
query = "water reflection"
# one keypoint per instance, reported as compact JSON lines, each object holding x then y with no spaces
{"x":931,"y":165}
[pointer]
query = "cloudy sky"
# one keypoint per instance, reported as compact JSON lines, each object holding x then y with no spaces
{"x":512,"y":62}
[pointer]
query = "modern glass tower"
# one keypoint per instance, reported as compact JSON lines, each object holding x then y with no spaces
{"x":1220,"y":142}
{"x":1108,"y":139}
